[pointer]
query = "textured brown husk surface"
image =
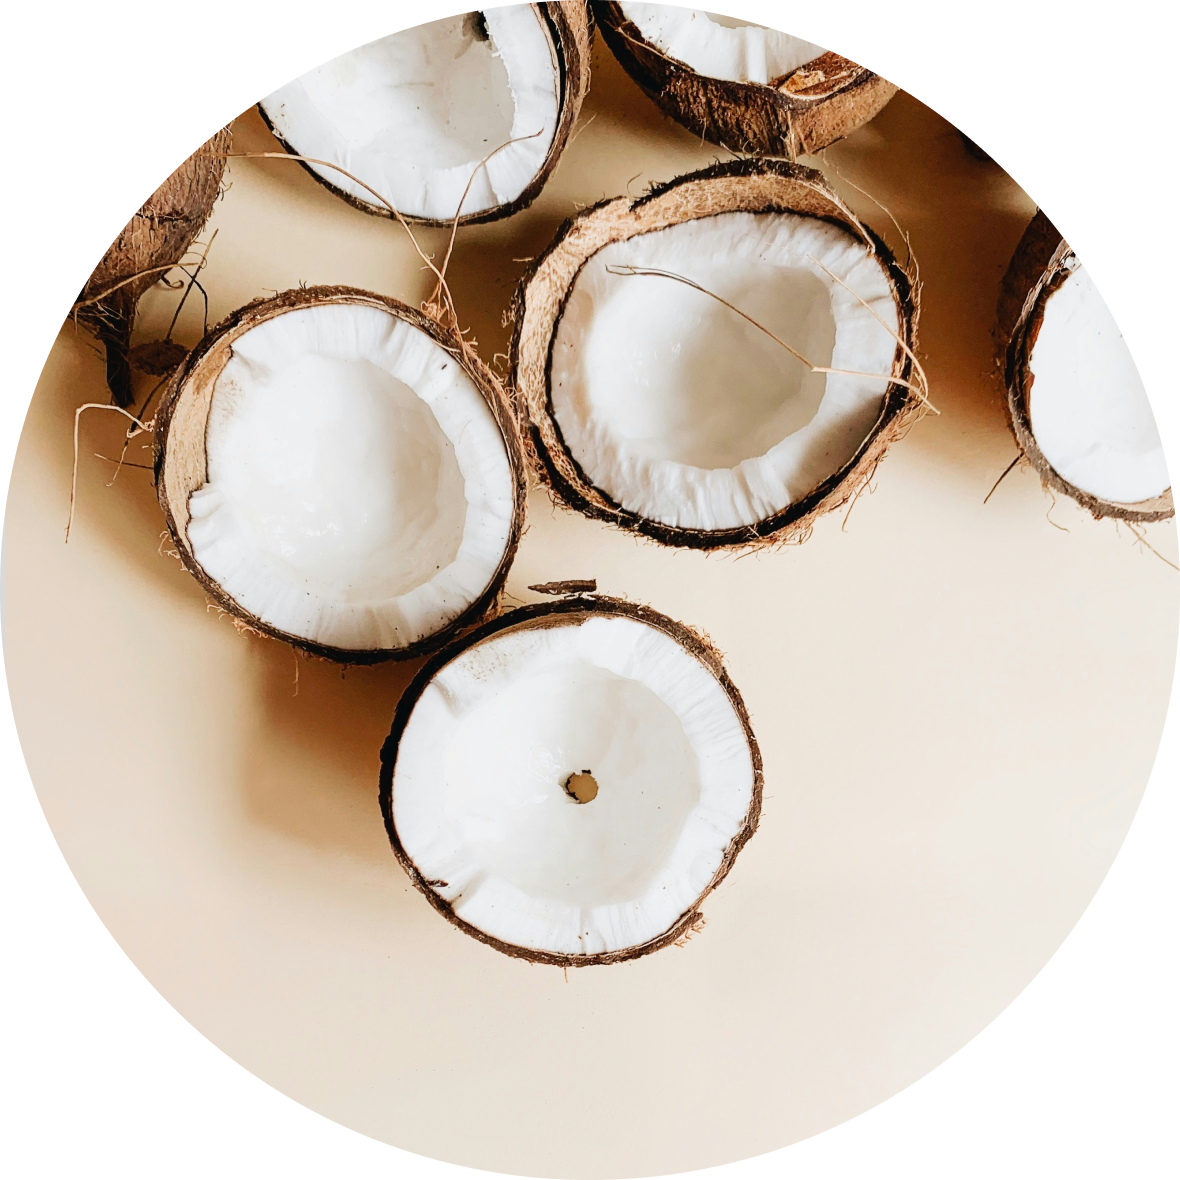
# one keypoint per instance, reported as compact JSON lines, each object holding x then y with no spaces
{"x":570,"y":27}
{"x":158,"y":236}
{"x":753,"y":185}
{"x":181,"y":466}
{"x":565,"y":612}
{"x":822,"y":101}
{"x":1041,"y":263}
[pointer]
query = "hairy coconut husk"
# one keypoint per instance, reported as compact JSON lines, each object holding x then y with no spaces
{"x":555,"y":614}
{"x":1041,"y":263}
{"x":571,"y":31}
{"x":752,"y":185}
{"x":801,"y":113}
{"x":152,"y":242}
{"x":180,"y":460}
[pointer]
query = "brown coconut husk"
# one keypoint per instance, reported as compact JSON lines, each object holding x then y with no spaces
{"x":799,"y":114}
{"x":181,"y":466}
{"x":559,"y":613}
{"x":1041,"y":263}
{"x":151,"y":244}
{"x":570,"y":26}
{"x":752,"y":185}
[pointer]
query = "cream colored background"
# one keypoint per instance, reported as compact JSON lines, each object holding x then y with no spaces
{"x":958,"y":706}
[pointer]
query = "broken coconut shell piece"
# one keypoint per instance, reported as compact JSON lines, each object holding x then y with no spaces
{"x":717,"y":362}
{"x":152,"y":243}
{"x":340,"y":472}
{"x":473,"y":111}
{"x":739,"y":85}
{"x":1076,"y":403}
{"x":568,"y":782}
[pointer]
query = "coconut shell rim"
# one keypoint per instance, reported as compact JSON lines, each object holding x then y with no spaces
{"x":258,"y":311}
{"x":552,"y":613}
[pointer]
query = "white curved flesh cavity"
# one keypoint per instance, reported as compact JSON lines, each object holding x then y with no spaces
{"x":1089,"y":411}
{"x":479,"y":799}
{"x":685,"y":413}
{"x":720,"y":46}
{"x":414,"y":114}
{"x":358,"y":491}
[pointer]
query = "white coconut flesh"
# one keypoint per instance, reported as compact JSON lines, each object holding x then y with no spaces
{"x":685,"y":413}
{"x":482,"y":807}
{"x":414,"y":114}
{"x":1087,"y":406}
{"x":358,"y":492}
{"x":720,"y":46}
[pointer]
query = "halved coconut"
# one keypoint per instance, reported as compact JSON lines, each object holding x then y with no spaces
{"x":415,"y":114}
{"x":340,"y":472}
{"x":676,"y":408}
{"x":151,"y":243}
{"x":739,"y":85}
{"x":1076,"y":403}
{"x":568,"y":782}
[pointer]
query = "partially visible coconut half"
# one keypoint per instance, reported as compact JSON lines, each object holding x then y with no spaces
{"x":568,"y":782}
{"x":740,"y":85}
{"x":340,"y":472}
{"x":651,"y":404}
{"x":1076,"y":403}
{"x":415,"y":115}
{"x":151,"y":243}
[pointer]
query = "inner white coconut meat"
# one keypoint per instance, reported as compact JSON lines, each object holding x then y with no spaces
{"x":721,"y":46}
{"x":359,"y":493}
{"x":685,"y":413}
{"x":484,"y":806}
{"x":414,"y":114}
{"x":1087,"y":406}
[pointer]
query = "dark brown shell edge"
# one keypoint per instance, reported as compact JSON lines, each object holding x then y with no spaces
{"x":485,"y":381}
{"x":571,"y":28}
{"x":559,"y":470}
{"x":1041,"y":263}
{"x":558,"y":613}
{"x":814,"y":106}
{"x":158,"y":235}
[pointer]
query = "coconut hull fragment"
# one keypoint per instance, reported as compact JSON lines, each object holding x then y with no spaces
{"x":752,"y":185}
{"x":181,"y":462}
{"x":557,"y":613}
{"x":570,"y":28}
{"x":821,"y":102}
{"x":1042,"y":262}
{"x":155,"y":239}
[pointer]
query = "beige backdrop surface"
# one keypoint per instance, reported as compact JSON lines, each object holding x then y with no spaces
{"x":958,"y":706}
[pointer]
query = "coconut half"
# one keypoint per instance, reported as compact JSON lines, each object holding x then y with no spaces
{"x":1076,"y":403}
{"x":568,"y":782}
{"x":151,"y":243}
{"x":340,"y":472}
{"x":740,"y":85}
{"x":416,"y":115}
{"x":653,"y":405}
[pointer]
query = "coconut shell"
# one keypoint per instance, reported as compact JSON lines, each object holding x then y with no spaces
{"x":562,"y":612}
{"x":155,"y":239}
{"x":798,"y":114}
{"x":571,"y":32}
{"x":1041,"y":263}
{"x":752,"y":185}
{"x":181,"y":465}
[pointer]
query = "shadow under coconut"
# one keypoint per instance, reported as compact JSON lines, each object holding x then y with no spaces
{"x":312,"y":770}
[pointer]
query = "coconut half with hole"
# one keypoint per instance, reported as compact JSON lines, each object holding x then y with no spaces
{"x":150,"y":245}
{"x":738,"y":84}
{"x":568,"y":782}
{"x":473,"y":111}
{"x":716,"y":363}
{"x":1076,"y":403}
{"x":340,"y":472}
